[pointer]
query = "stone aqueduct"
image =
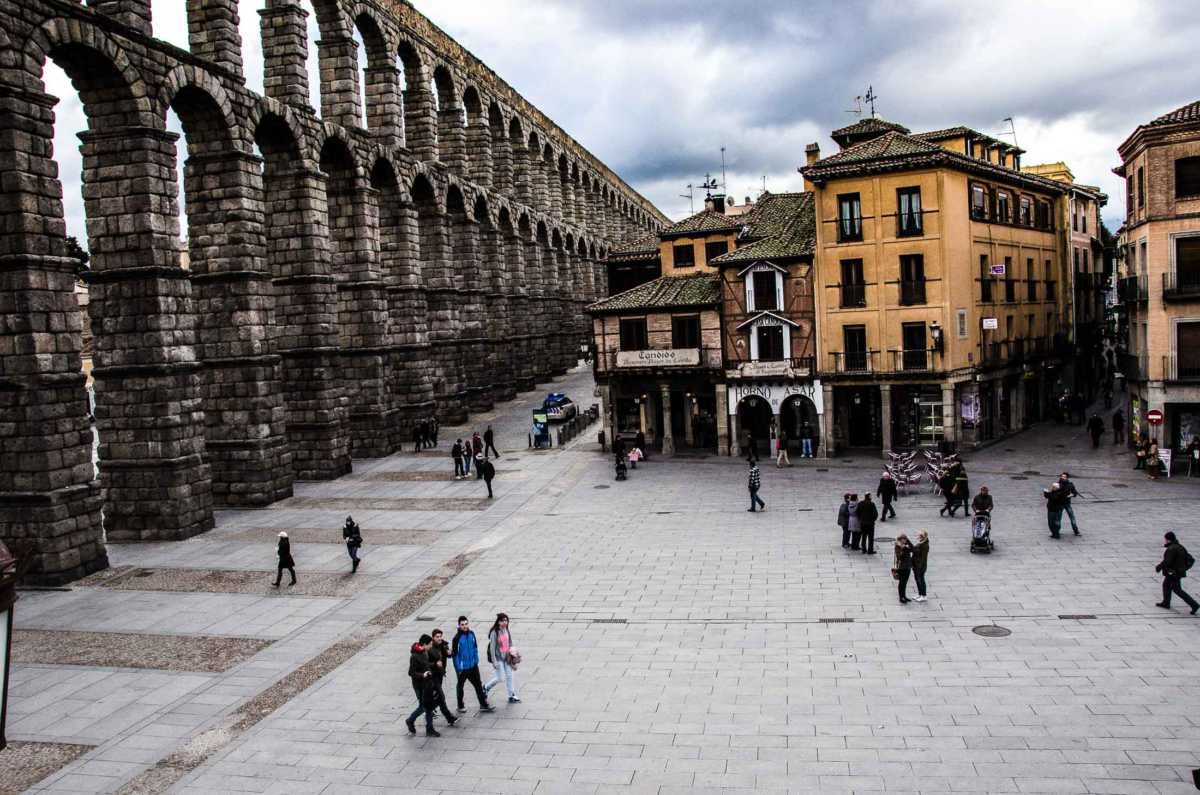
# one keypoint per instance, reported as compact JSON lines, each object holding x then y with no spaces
{"x":344,"y":280}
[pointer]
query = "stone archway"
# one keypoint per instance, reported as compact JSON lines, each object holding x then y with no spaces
{"x":798,"y":419}
{"x":754,"y":425}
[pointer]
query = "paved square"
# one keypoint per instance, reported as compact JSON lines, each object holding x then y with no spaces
{"x":671,"y":643}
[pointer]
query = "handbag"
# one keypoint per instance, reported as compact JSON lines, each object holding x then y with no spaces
{"x":513,"y":658}
{"x":895,"y":574}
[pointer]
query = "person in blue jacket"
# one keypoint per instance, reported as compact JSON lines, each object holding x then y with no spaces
{"x":465,"y":652}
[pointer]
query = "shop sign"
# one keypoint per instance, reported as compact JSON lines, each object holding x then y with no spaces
{"x":777,"y":369}
{"x":776,"y":394}
{"x":671,"y":357}
{"x":991,"y":323}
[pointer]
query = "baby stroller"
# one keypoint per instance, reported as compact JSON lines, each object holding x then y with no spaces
{"x":621,"y":467}
{"x":981,"y":532}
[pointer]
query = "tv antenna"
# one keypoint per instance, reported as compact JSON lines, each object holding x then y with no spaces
{"x":1012,"y":129}
{"x":857,"y":109}
{"x":710,"y":183}
{"x":723,"y":188}
{"x":870,"y":98}
{"x":691,"y":197}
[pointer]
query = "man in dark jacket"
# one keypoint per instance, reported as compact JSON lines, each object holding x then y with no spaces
{"x":1175,"y":564}
{"x":465,"y":653}
{"x":844,"y":520}
{"x":1118,"y":426}
{"x":887,"y":492}
{"x":420,"y":671}
{"x":353,"y":538}
{"x":1068,"y":491}
{"x":489,"y":443}
{"x":456,"y":452}
{"x":488,"y":470}
{"x":439,"y":653}
{"x":754,"y":482}
{"x":1095,"y":428}
{"x":867,"y":514}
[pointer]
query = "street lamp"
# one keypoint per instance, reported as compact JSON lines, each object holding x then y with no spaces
{"x":8,"y":595}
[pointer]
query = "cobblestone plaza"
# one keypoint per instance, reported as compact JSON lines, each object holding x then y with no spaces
{"x":671,"y":642}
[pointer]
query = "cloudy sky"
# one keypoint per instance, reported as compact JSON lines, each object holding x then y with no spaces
{"x":655,"y":88}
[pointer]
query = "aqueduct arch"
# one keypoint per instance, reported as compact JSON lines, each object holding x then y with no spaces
{"x":351,"y":272}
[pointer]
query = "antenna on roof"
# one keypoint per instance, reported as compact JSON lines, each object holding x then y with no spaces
{"x":709,"y":184}
{"x":764,"y":183}
{"x":691,"y":197}
{"x":1012,"y":129}
{"x":723,"y":189}
{"x":870,"y":97}
{"x":857,"y":109}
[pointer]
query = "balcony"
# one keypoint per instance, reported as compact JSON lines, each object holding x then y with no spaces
{"x":855,"y":361}
{"x":913,"y":360}
{"x":912,"y":293}
{"x":1181,"y":286}
{"x":1181,"y":367}
{"x":1133,"y":289}
{"x":853,"y":295}
{"x":796,"y":367}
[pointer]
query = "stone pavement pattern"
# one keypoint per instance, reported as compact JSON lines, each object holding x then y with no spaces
{"x":672,"y":643}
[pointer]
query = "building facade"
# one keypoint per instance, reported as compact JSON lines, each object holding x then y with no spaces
{"x":1160,"y":162}
{"x":938,"y":274}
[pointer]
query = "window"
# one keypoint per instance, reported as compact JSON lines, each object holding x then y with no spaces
{"x":1008,"y":327}
{"x":764,"y":290}
{"x":1187,"y":262}
{"x":1026,"y":211}
{"x":979,"y":203}
{"x":1083,"y":219}
{"x":714,"y":249}
{"x":853,"y":289}
{"x":985,"y":280}
{"x":912,"y":279}
{"x":685,"y":332}
{"x":1141,"y":186}
{"x":1187,"y":348}
{"x":1086,"y":267}
{"x":908,"y":212}
{"x":914,"y":356}
{"x":1075,"y":217}
{"x":684,"y":256}
{"x":1187,"y":177}
{"x":633,"y":334}
{"x":1043,"y":215}
{"x":854,"y":343}
{"x":770,"y":343}
{"x":1003,"y":204}
{"x":1129,"y":194}
{"x":960,"y":319}
{"x":1051,"y":295}
{"x":1030,"y":280}
{"x":1010,"y":284}
{"x":1076,"y":252}
{"x":849,"y":217}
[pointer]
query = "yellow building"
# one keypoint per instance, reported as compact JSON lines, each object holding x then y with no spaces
{"x":1161,"y":291}
{"x":938,"y":276}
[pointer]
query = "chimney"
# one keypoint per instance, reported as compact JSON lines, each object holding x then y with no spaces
{"x":747,"y":200}
{"x":812,"y":153}
{"x":715,"y":204}
{"x":709,"y":204}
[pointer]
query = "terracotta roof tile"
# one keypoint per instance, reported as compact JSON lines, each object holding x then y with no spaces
{"x":702,"y":289}
{"x":701,"y":222}
{"x":865,"y":126}
{"x":782,"y":225}
{"x":645,"y":247}
{"x":1189,"y":112}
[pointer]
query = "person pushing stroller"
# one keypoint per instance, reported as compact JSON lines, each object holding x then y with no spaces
{"x":981,"y":524}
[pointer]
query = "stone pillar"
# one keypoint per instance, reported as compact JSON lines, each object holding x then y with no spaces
{"x":522,"y":173}
{"x":318,"y":422}
{"x":473,"y":343}
{"x":668,"y":435}
{"x":829,"y":418}
{"x":688,"y":435}
{"x":285,"y":50}
{"x":149,"y":411}
{"x":420,"y":116}
{"x":384,"y":112}
{"x":885,"y":416}
{"x":245,"y":432}
{"x":213,"y":33}
{"x":452,"y":138}
{"x":339,"y":81}
{"x":949,"y":413}
{"x":723,"y":430}
{"x":559,"y":330}
{"x":49,"y":495}
{"x":537,"y":364}
{"x":519,"y":331}
{"x":132,"y":13}
{"x":502,"y":162}
{"x":479,"y":152}
{"x":444,"y":322}
{"x":497,"y":367}
{"x":540,"y":181}
{"x":565,"y":206}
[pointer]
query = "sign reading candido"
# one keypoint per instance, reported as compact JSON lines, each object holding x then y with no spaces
{"x":1154,"y":417}
{"x":671,"y":357}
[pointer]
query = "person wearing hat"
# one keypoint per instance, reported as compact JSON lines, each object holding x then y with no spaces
{"x":283,"y":551}
{"x":352,"y":534}
{"x":887,"y":492}
{"x":1174,"y":567}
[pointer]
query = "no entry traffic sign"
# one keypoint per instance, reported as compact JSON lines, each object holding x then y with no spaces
{"x":1154,"y":417}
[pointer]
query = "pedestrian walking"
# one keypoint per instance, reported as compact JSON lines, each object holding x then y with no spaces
{"x":754,"y":483}
{"x":1174,"y":567}
{"x":946,"y":485}
{"x":807,"y":435}
{"x":902,"y":565}
{"x":962,"y":490}
{"x":352,"y":535}
{"x":1095,"y":427}
{"x":843,"y":520}
{"x":283,"y":554}
{"x":1108,"y":398}
{"x":920,"y":562}
{"x":781,"y":457}
{"x":418,"y":436}
{"x":489,"y":472}
{"x":1193,"y":456}
{"x":468,"y":456}
{"x":1153,"y":463}
{"x":479,"y":459}
{"x":855,"y":527}
{"x":1118,"y":426}
{"x":439,"y":653}
{"x":489,"y":443}
{"x":1054,"y":508}
{"x":1068,"y":491}
{"x":420,"y":673}
{"x":456,"y":452}
{"x":433,"y":432}
{"x":887,"y":492}
{"x":464,"y":651}
{"x":867,"y":514}
{"x":504,"y":658}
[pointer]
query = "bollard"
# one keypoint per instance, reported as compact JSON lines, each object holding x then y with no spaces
{"x":600,"y":438}
{"x":560,"y":439}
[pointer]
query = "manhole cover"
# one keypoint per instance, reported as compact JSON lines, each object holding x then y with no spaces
{"x":822,"y":469}
{"x":1019,"y":477}
{"x":1119,"y":486}
{"x":885,"y":540}
{"x":1030,"y":472}
{"x":992,"y":631}
{"x":601,"y":486}
{"x":804,"y":509}
{"x":663,"y":513}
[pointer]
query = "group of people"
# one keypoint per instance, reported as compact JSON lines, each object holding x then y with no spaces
{"x":625,"y":457}
{"x":478,"y":449}
{"x":427,"y":668}
{"x":808,"y":441}
{"x":857,"y":520}
{"x":1058,"y":500}
{"x":425,"y":434}
{"x":351,"y":536}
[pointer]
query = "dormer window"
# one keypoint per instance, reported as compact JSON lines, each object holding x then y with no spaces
{"x":764,"y":287}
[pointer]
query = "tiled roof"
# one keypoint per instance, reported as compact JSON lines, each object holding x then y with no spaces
{"x":645,"y":247}
{"x":1189,"y":112}
{"x":703,"y":222}
{"x":866,"y":126}
{"x":782,"y":225}
{"x":960,"y":132}
{"x":702,"y":289}
{"x":895,"y":151}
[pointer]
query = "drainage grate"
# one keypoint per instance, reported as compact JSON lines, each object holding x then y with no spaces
{"x":664,"y":513}
{"x":1030,"y":472}
{"x":1019,"y":477}
{"x":610,"y":620}
{"x":1119,"y":486}
{"x":1075,"y":616}
{"x":601,"y":486}
{"x":885,"y":540}
{"x":804,"y":509}
{"x":426,"y":618}
{"x":822,"y":469}
{"x":835,"y":620}
{"x":992,"y":631}
{"x":1009,"y":450}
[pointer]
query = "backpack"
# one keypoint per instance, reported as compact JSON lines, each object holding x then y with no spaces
{"x":1188,"y":560}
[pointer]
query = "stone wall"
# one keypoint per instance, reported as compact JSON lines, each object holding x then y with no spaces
{"x":345,"y":282}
